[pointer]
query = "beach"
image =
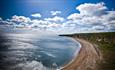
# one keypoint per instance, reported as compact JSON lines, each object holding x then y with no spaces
{"x":87,"y":58}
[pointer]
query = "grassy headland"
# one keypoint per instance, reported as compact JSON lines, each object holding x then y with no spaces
{"x":106,"y":44}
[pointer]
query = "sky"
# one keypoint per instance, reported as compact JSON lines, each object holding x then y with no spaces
{"x":58,"y":15}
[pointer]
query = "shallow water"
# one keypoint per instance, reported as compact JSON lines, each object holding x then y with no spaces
{"x":35,"y":51}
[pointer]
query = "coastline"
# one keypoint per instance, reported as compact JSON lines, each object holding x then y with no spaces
{"x":86,"y":58}
{"x":75,"y":54}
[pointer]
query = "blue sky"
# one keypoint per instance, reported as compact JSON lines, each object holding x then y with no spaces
{"x":61,"y":16}
{"x":8,"y":8}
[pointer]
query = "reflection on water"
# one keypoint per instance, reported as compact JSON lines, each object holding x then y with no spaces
{"x":35,"y":52}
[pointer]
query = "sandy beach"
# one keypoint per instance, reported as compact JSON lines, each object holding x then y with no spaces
{"x":86,"y":59}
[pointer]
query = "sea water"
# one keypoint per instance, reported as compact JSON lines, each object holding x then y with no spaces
{"x":35,"y":51}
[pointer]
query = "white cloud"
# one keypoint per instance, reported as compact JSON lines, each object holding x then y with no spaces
{"x":75,"y":16}
{"x":55,"y":19}
{"x":45,"y":25}
{"x":54,"y":25}
{"x":99,"y":27}
{"x":92,"y":17}
{"x":92,"y":9}
{"x":24,"y":19}
{"x":54,"y":13}
{"x":36,"y":15}
{"x":40,"y":24}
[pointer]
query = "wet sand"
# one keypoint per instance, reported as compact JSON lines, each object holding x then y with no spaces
{"x":86,"y":59}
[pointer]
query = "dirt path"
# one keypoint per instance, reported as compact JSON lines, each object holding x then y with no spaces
{"x":86,"y":59}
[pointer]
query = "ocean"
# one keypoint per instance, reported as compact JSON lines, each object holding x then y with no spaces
{"x":35,"y":51}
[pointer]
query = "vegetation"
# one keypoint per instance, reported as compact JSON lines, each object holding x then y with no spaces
{"x":106,"y":44}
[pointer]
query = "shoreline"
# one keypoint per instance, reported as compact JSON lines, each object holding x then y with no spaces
{"x":86,"y":58}
{"x":75,"y":54}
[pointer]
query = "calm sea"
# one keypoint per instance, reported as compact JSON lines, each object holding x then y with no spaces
{"x":35,"y":51}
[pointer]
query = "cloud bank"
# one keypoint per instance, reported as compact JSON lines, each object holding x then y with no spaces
{"x":92,"y":18}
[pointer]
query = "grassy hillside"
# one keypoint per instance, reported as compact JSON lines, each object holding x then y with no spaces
{"x":106,"y":43}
